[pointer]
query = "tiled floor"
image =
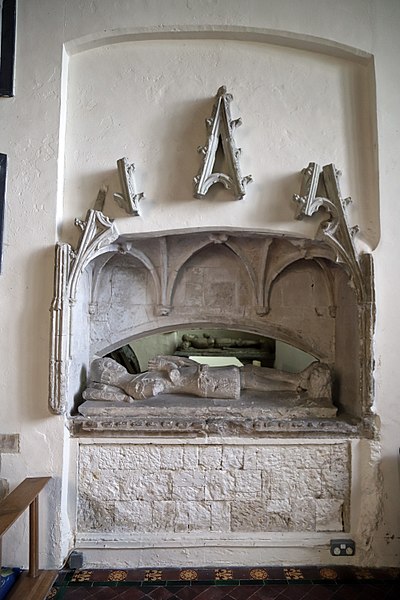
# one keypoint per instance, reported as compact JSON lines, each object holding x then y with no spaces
{"x":230,"y":583}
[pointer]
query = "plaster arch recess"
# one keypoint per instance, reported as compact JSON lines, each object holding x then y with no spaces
{"x":273,"y":52}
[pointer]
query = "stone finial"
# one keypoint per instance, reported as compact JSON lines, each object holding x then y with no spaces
{"x":128,"y":199}
{"x":220,"y":134}
{"x":320,"y":189}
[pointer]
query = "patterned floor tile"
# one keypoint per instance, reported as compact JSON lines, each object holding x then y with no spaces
{"x":243,"y":592}
{"x":297,"y":592}
{"x":229,"y":583}
{"x":161,"y":593}
{"x":269,"y":592}
{"x":186,"y":592}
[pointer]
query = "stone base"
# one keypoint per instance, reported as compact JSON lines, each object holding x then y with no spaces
{"x":251,"y":405}
{"x":161,"y":492}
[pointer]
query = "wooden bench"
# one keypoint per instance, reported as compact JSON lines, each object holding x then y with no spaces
{"x":32,"y":584}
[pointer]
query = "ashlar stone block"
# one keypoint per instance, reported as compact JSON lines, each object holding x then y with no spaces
{"x":164,"y":516}
{"x":130,"y":483}
{"x":335,"y":481}
{"x":220,"y":516}
{"x":250,"y":457}
{"x":188,"y":485}
{"x":190,"y":457}
{"x":171,"y":457}
{"x":211,"y":457}
{"x":135,"y":515}
{"x":193,"y":516}
{"x":220,"y":485}
{"x":95,"y":515}
{"x":101,"y":486}
{"x":249,"y":516}
{"x":302,"y":515}
{"x":265,"y":457}
{"x":278,"y":521}
{"x":247,"y":484}
{"x":146,"y":458}
{"x":157,"y":488}
{"x":199,"y":516}
{"x":329,"y":515}
{"x":232,"y":457}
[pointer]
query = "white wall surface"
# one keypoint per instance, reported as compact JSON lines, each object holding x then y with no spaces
{"x":313,"y":103}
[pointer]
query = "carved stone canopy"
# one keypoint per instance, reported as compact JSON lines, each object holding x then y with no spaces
{"x":114,"y":288}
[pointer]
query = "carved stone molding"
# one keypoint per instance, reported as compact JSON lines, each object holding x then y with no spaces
{"x":131,"y":426}
{"x":320,"y":189}
{"x":220,"y":131}
{"x":98,"y":232}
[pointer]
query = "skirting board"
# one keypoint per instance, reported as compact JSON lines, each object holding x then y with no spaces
{"x":133,"y":551}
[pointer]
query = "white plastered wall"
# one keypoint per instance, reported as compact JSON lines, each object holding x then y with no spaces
{"x":41,"y":203}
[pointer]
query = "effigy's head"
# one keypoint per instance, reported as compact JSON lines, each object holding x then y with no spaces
{"x":106,"y":370}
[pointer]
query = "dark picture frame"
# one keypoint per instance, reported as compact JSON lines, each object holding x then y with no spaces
{"x":7,"y":47}
{"x":3,"y":175}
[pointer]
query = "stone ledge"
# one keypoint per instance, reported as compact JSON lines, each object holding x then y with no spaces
{"x":140,"y":426}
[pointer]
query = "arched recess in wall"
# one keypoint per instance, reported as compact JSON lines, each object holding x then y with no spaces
{"x":215,"y":276}
{"x":291,"y":133}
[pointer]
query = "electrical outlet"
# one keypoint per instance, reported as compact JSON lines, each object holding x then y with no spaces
{"x":343,"y":547}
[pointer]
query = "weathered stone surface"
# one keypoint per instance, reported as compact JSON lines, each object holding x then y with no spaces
{"x":220,"y":485}
{"x":142,"y":425}
{"x":211,"y":457}
{"x":248,"y":484}
{"x":135,"y":515}
{"x":9,"y":443}
{"x":221,"y":516}
{"x":171,"y":458}
{"x":164,"y":516}
{"x":232,"y":457}
{"x":250,"y":516}
{"x":189,"y":485}
{"x":213,"y":487}
{"x":257,"y":406}
{"x":95,"y":515}
{"x":190,"y":457}
{"x":329,"y":515}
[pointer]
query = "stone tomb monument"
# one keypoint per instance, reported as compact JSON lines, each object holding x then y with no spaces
{"x":181,"y":382}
